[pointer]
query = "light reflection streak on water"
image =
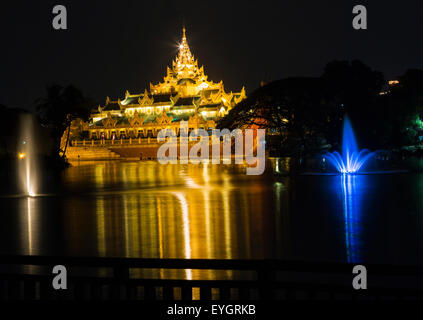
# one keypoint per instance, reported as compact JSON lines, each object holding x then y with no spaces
{"x":160,"y":227}
{"x":351,"y":206}
{"x":227,"y":219}
{"x":126,"y":227}
{"x":206,"y":194}
{"x":31,"y":241}
{"x":29,"y":222}
{"x":278,"y":187}
{"x":187,"y":239}
{"x":101,"y":227}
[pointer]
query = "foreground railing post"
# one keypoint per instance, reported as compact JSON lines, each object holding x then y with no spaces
{"x":266,"y":277}
{"x":29,"y":289}
{"x":121,"y":276}
{"x":224,"y":293}
{"x":96,"y":291}
{"x":186,"y":293}
{"x":45,"y":289}
{"x":3,"y":288}
{"x":13,"y":289}
{"x":205,"y":293}
{"x":244,"y":293}
{"x":150,"y":293}
{"x":168,"y":293}
{"x":80,"y":290}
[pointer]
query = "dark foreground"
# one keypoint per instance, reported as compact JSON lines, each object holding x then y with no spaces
{"x":272,"y":280}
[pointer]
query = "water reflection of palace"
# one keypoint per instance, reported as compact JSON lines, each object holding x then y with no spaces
{"x":143,"y":209}
{"x":173,"y":211}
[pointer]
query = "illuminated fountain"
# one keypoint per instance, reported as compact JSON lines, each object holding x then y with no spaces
{"x":352,"y":159}
{"x":27,"y":159}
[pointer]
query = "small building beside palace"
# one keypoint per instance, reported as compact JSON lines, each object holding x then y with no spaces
{"x":185,"y":93}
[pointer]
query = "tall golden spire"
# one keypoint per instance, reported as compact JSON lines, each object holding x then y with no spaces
{"x":184,"y":54}
{"x":184,"y":63}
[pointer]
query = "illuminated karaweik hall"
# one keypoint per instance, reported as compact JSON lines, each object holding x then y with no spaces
{"x":185,"y":94}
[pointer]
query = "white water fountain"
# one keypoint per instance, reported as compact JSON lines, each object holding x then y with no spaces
{"x":27,"y":158}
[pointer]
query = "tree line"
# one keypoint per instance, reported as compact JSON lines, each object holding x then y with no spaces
{"x":304,"y":115}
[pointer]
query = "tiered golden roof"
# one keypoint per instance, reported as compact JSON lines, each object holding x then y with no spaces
{"x":184,"y":92}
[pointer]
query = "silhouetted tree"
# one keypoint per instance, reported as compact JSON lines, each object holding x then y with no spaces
{"x":59,"y":108}
{"x":295,"y":109}
{"x":355,"y":88}
{"x":404,"y":108}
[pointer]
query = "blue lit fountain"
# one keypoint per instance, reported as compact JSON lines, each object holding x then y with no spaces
{"x":352,"y":159}
{"x":351,"y":189}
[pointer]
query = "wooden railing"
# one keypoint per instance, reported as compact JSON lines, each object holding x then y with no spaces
{"x":126,"y":141}
{"x":110,"y":142}
{"x":117,"y":142}
{"x":271,"y":279}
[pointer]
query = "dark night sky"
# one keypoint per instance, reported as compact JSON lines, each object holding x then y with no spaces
{"x":111,"y":46}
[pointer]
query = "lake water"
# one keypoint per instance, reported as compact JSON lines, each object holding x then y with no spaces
{"x":148,"y":210}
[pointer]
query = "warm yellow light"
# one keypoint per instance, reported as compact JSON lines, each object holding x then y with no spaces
{"x":21,"y":155}
{"x":184,"y":79}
